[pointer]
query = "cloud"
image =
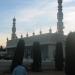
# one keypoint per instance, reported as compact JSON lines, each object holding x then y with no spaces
{"x":27,"y":14}
{"x":37,"y":17}
{"x":69,"y":17}
{"x":67,"y":1}
{"x":32,"y":18}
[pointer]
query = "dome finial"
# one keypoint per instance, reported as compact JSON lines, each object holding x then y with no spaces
{"x":21,"y":36}
{"x":40,"y":32}
{"x":27,"y":34}
{"x":33,"y":33}
{"x":50,"y":30}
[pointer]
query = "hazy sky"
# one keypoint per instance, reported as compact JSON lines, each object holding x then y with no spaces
{"x":33,"y":15}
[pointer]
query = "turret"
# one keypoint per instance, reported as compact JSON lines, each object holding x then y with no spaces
{"x":50,"y":30}
{"x":7,"y":39}
{"x":21,"y":36}
{"x":27,"y":34}
{"x":40,"y":32}
{"x":14,"y":29}
{"x":60,"y":18}
{"x":33,"y":34}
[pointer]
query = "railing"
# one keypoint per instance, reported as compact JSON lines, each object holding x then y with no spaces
{"x":5,"y":64}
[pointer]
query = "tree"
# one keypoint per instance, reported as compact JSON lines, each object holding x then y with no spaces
{"x":2,"y":55}
{"x":70,"y":54}
{"x":36,"y":55}
{"x":18,"y":55}
{"x":1,"y":48}
{"x":59,"y":56}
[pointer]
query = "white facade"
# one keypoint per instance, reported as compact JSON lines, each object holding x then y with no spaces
{"x":47,"y":41}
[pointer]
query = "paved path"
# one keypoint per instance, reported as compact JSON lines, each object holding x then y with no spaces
{"x":44,"y":73}
{"x":47,"y":73}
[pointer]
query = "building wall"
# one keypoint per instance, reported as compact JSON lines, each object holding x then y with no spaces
{"x":10,"y":52}
{"x":44,"y":52}
{"x":51,"y":52}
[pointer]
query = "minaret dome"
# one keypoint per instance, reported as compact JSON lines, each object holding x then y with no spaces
{"x":14,"y":29}
{"x":60,"y":18}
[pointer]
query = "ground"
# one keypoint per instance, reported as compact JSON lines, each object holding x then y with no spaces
{"x":47,"y":73}
{"x":43,"y":73}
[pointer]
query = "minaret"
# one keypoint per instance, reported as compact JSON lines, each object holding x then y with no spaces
{"x":60,"y":18}
{"x":27,"y":34}
{"x":14,"y":29}
{"x":21,"y":36}
{"x":50,"y":30}
{"x":40,"y":32}
{"x":7,"y":39}
{"x":33,"y":34}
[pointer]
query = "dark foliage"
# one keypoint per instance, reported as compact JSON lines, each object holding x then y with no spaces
{"x":59,"y":56}
{"x":70,"y":54}
{"x":36,"y":55}
{"x":18,"y":55}
{"x":1,"y":48}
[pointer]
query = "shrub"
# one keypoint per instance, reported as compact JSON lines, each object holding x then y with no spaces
{"x":59,"y":56}
{"x":36,"y":55}
{"x":18,"y":55}
{"x":70,"y":54}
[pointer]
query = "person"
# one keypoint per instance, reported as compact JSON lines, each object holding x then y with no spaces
{"x":19,"y":70}
{"x":16,"y":67}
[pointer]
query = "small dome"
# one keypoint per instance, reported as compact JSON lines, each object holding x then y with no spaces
{"x":21,"y":36}
{"x":40,"y":32}
{"x":27,"y":34}
{"x":33,"y":33}
{"x":50,"y":30}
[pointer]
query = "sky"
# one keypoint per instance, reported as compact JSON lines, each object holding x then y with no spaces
{"x":33,"y":16}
